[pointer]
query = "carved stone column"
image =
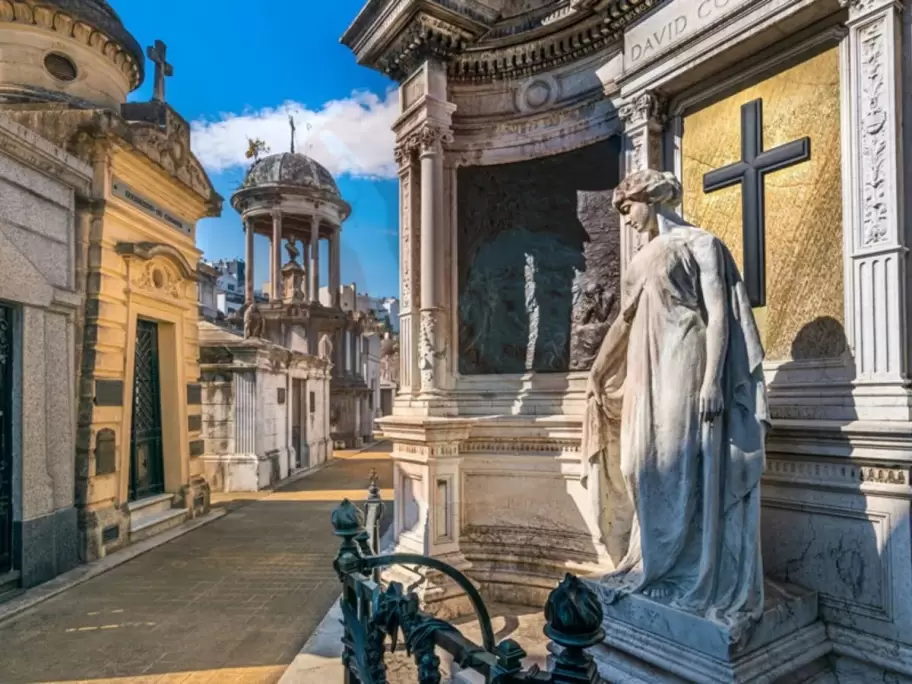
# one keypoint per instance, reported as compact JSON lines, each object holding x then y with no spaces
{"x":275,"y":284}
{"x":409,"y":266}
{"x":305,"y":261}
{"x":248,"y":266}
{"x":335,"y":266}
{"x":878,"y":240}
{"x":430,"y":348}
{"x":644,"y":120}
{"x":314,"y":271}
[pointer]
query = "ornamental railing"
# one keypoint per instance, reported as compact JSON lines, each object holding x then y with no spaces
{"x":374,"y":617}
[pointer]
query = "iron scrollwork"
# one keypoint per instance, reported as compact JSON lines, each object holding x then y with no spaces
{"x":374,"y":617}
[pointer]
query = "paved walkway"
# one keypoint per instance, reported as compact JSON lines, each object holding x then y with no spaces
{"x":232,"y":601}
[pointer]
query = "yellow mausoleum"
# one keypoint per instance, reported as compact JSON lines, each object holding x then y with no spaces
{"x":139,"y":404}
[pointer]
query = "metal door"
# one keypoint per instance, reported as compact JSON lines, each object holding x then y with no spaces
{"x":147,"y":473}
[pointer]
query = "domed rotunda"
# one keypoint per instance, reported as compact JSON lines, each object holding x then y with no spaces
{"x":291,"y":197}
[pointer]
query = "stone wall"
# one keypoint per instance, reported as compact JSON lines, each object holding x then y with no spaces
{"x":37,"y":243}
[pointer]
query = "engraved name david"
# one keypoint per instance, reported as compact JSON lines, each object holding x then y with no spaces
{"x":653,"y":36}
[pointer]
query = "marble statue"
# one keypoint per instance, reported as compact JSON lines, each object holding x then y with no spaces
{"x":254,"y":325}
{"x":680,"y":373}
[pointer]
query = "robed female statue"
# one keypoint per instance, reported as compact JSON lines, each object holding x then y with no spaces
{"x":680,"y":372}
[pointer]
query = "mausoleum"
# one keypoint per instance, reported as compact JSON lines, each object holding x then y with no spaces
{"x":784,"y":122}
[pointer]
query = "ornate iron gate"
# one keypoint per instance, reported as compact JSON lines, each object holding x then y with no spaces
{"x":6,"y":446}
{"x":147,"y":474}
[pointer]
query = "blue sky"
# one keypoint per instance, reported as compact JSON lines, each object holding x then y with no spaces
{"x":240,"y":68}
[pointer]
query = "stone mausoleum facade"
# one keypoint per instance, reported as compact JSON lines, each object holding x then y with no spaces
{"x":128,"y":252}
{"x":784,"y":122}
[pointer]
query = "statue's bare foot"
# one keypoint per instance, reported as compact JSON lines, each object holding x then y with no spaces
{"x":658,"y":592}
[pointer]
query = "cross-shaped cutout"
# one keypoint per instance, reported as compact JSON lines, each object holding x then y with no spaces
{"x":750,"y":173}
{"x":157,"y":53}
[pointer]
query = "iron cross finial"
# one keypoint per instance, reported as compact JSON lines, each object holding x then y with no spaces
{"x":292,"y":124}
{"x":157,"y":53}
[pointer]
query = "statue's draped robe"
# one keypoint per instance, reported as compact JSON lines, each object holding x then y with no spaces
{"x":682,"y":493}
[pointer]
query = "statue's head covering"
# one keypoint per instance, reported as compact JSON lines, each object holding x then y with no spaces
{"x":649,"y":186}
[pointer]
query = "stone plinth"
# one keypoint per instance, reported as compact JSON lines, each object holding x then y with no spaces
{"x":649,"y":641}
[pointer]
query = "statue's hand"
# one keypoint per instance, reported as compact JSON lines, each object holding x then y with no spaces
{"x":593,"y":391}
{"x":711,"y":402}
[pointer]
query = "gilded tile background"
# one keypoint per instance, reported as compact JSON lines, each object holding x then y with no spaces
{"x":804,"y":315}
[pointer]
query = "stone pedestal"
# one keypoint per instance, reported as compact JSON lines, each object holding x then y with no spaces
{"x":648,"y":641}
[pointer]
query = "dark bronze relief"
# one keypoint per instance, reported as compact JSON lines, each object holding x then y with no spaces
{"x":538,"y":261}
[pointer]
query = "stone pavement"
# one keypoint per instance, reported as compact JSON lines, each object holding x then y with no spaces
{"x":232,"y":601}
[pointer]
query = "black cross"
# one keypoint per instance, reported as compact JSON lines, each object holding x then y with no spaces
{"x":750,"y":172}
{"x":162,"y":69}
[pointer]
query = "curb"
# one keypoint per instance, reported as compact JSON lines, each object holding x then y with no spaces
{"x":320,"y":658}
{"x":41,"y":593}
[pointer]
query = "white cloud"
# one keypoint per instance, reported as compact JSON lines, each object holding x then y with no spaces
{"x":349,"y":136}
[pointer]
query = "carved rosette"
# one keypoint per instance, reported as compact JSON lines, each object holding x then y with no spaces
{"x":873,"y":130}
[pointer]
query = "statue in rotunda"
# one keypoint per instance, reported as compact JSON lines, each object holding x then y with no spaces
{"x":676,"y":419}
{"x":254,"y":325}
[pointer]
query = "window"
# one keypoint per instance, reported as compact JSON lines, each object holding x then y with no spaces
{"x":313,"y":402}
{"x":60,"y":67}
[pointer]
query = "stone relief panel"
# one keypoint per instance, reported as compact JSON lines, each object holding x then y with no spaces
{"x":538,"y":261}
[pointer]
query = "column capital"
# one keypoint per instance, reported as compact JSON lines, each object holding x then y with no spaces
{"x":428,"y":138}
{"x":648,"y":107}
{"x":276,"y":214}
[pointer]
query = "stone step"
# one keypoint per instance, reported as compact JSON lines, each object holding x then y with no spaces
{"x":151,"y":505}
{"x":9,"y":586}
{"x":150,"y":525}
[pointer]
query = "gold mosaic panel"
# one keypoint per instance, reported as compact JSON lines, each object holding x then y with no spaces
{"x":804,"y":315}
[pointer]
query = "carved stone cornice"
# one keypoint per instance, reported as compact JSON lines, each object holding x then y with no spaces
{"x":396,"y":36}
{"x":20,"y":143}
{"x":121,"y":50}
{"x":648,"y":107}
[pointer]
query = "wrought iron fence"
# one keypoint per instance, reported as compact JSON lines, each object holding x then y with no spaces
{"x":374,"y":617}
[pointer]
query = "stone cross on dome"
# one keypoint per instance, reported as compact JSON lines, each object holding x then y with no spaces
{"x":157,"y":54}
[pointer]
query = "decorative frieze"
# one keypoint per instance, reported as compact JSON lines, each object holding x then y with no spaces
{"x":522,"y":445}
{"x":835,"y":474}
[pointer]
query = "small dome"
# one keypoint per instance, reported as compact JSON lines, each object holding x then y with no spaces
{"x":291,"y":169}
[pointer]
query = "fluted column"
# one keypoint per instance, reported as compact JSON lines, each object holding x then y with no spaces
{"x":430,"y":349}
{"x":314,"y":270}
{"x":275,"y":284}
{"x":248,"y":266}
{"x":335,"y":266}
{"x":644,"y":119}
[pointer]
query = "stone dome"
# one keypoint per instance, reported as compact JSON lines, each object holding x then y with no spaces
{"x":76,"y":52}
{"x":291,"y":169}
{"x":101,"y":15}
